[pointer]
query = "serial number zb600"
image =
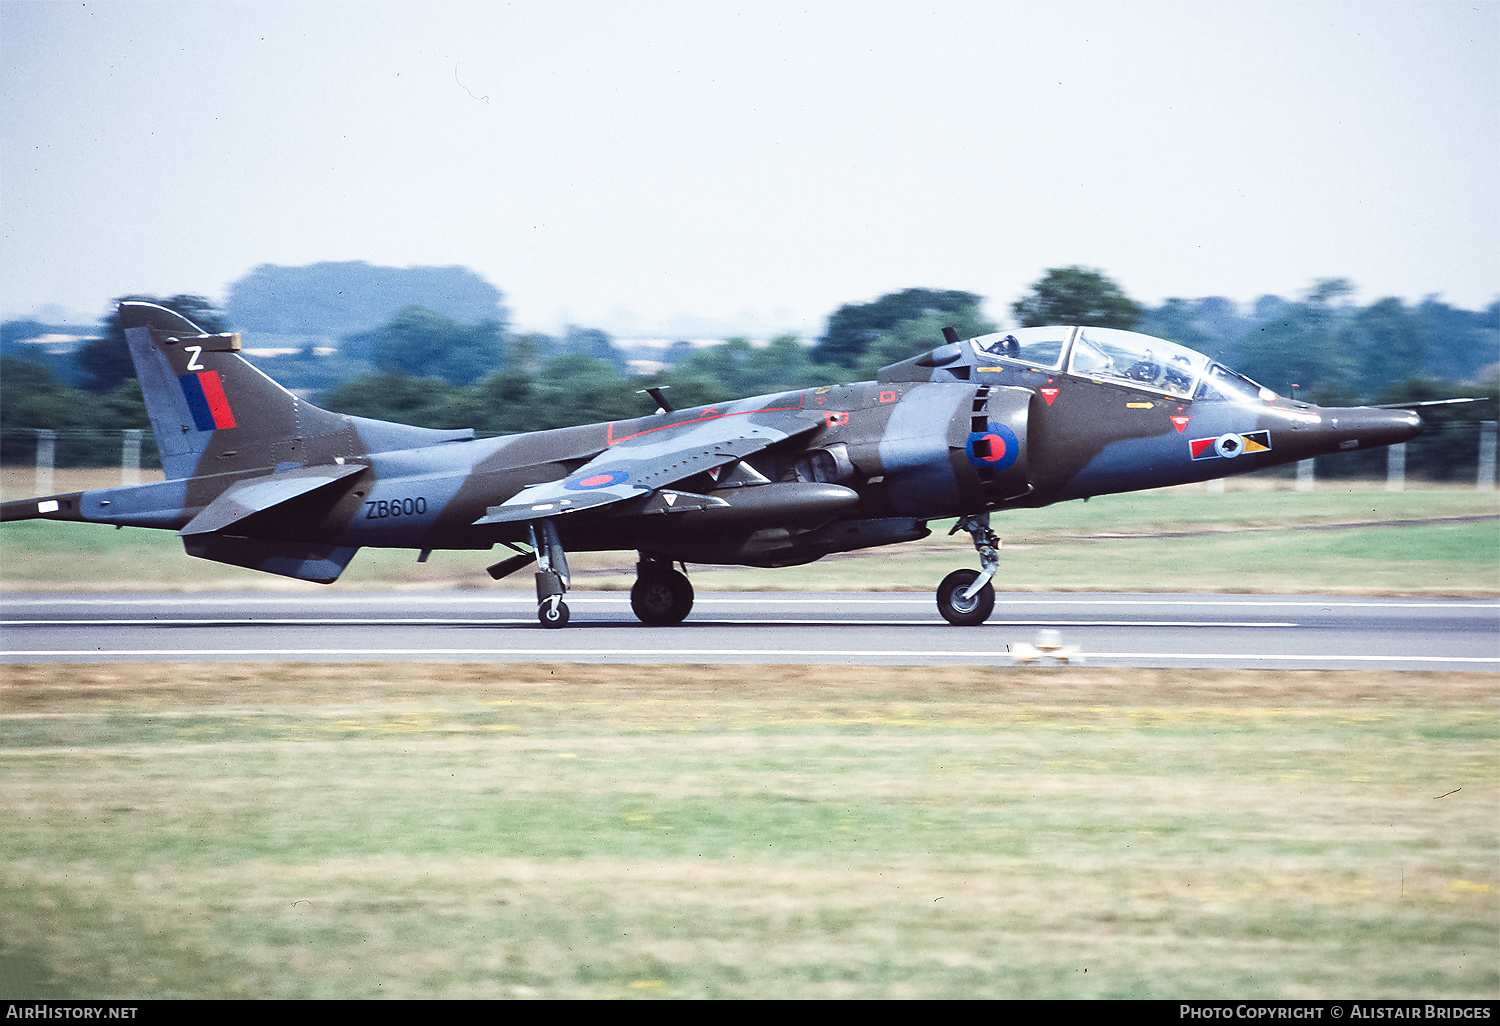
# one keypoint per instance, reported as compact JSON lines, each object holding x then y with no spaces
{"x":383,"y":508}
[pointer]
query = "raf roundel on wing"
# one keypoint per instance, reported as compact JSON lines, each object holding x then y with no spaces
{"x":604,"y":480}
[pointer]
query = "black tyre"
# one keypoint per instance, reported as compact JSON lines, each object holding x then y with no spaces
{"x":955,"y":609}
{"x":662,"y":598}
{"x":552,"y":616}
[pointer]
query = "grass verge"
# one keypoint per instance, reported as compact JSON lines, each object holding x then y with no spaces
{"x":364,"y":830}
{"x":1360,"y":540}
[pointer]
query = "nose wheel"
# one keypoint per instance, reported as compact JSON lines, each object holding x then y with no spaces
{"x":966,"y":598}
{"x":960,"y":603}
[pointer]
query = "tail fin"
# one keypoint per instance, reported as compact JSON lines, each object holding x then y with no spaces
{"x":214,"y":413}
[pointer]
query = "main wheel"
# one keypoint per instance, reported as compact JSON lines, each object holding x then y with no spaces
{"x":662,"y":598}
{"x":957,"y":610}
{"x":552,"y":615}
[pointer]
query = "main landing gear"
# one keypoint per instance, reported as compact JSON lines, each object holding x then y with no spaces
{"x":661,"y":596}
{"x":966,"y":598}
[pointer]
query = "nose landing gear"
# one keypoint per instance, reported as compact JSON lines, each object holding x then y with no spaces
{"x":966,"y":598}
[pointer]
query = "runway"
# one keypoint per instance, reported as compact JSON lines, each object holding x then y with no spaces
{"x":894,"y":629}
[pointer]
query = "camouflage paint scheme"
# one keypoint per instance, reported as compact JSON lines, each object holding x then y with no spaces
{"x":258,"y":477}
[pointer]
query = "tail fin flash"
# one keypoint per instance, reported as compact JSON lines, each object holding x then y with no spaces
{"x":213,"y":412}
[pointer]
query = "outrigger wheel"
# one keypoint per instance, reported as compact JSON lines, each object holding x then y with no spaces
{"x":552,"y":612}
{"x":966,"y":598}
{"x":552,"y":578}
{"x":661,"y":596}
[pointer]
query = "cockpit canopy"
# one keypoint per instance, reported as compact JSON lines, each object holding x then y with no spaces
{"x":1110,"y":354}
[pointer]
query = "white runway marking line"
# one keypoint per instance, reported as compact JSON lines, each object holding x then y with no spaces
{"x":709,"y":600}
{"x":479,"y":623}
{"x":659,"y":655}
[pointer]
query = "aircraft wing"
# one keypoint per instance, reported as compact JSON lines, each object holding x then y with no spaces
{"x":640,"y":464}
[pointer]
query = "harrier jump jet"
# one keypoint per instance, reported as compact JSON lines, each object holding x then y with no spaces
{"x":258,"y":477}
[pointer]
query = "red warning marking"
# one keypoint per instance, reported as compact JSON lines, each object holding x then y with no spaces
{"x":1180,"y":422}
{"x":835,"y":419}
{"x":1048,"y":394}
{"x":887,"y":397}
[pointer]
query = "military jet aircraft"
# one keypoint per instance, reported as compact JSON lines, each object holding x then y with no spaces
{"x":258,"y":477}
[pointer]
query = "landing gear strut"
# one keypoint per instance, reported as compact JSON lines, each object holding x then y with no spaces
{"x":661,"y":596}
{"x":966,"y":598}
{"x":551,"y":574}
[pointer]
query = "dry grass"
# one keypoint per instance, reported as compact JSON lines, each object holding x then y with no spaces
{"x":20,"y":482}
{"x":560,"y":830}
{"x":1432,"y":541}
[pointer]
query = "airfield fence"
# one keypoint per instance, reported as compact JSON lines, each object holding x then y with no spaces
{"x":1448,"y":452}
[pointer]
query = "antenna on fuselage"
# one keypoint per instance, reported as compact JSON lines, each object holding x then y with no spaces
{"x":655,"y":392}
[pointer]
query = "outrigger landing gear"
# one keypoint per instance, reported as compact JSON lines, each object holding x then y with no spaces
{"x":966,"y":597}
{"x":551,"y":574}
{"x":661,"y":596}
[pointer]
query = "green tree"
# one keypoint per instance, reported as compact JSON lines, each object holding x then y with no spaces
{"x":1077,"y":295}
{"x":592,"y":342}
{"x":854,"y":326}
{"x":1308,"y":344}
{"x":736,"y":369}
{"x":1177,"y":321}
{"x":88,"y":426}
{"x":1389,"y":344}
{"x":503,"y":401}
{"x":916,"y":336}
{"x":394,"y":396}
{"x":422,"y":342}
{"x":524,"y":354}
{"x":578,"y":389}
{"x":1459,"y":343}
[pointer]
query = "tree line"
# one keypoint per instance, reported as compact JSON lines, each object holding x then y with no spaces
{"x":425,"y":367}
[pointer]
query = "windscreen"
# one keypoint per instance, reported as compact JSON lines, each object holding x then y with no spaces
{"x":1220,"y":384}
{"x":1136,"y":359}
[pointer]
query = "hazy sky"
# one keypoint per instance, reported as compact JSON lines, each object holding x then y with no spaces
{"x":633,"y":166}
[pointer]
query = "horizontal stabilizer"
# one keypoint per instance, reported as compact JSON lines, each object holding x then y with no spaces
{"x":258,"y":494}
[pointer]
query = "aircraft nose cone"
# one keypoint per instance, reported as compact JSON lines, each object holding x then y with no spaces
{"x":1372,"y":428}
